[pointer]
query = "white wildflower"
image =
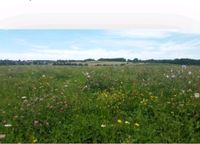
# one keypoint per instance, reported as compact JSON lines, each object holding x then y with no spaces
{"x":2,"y":136}
{"x":7,"y":125}
{"x":24,"y":97}
{"x":183,"y":91}
{"x":36,"y":122}
{"x":189,"y":73}
{"x":87,"y":75}
{"x":103,"y":125}
{"x":173,"y":76}
{"x":196,"y":95}
{"x":127,"y":122}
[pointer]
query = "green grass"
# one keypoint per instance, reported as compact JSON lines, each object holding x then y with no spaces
{"x":133,"y":103}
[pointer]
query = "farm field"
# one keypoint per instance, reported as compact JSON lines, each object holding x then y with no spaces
{"x":125,"y":104}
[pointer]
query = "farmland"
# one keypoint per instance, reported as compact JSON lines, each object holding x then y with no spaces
{"x":127,"y":103}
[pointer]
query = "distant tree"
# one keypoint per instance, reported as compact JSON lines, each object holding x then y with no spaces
{"x":87,"y":60}
{"x":113,"y":59}
{"x":135,"y":60}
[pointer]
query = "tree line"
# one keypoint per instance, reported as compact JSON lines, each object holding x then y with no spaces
{"x":183,"y":61}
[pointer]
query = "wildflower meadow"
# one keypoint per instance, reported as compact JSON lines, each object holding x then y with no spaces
{"x":94,"y":104}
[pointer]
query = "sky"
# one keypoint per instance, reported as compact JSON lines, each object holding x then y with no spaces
{"x":77,"y":29}
{"x":98,"y":43}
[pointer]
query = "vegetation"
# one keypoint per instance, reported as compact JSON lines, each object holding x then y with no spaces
{"x":131,"y":103}
{"x":86,"y":61}
{"x":113,"y":59}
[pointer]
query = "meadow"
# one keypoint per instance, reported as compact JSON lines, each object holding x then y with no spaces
{"x":125,"y":104}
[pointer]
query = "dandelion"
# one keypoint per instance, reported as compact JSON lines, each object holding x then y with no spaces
{"x":2,"y":136}
{"x":127,"y":122}
{"x":103,"y":125}
{"x":7,"y":125}
{"x":137,"y":124}
{"x":119,"y":121}
{"x":196,"y":95}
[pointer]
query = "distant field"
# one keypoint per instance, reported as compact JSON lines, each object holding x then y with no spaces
{"x":131,"y":103}
{"x":103,"y":63}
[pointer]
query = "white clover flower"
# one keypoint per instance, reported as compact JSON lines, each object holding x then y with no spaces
{"x":173,"y":76}
{"x":103,"y":125}
{"x":7,"y":125}
{"x":43,"y":76}
{"x":196,"y":95}
{"x":189,"y":73}
{"x":24,"y":97}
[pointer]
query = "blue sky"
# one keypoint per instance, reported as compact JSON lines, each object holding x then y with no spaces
{"x":82,"y":44}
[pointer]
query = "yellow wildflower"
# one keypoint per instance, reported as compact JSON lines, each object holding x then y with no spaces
{"x":103,"y":125}
{"x":34,"y":139}
{"x":119,"y":121}
{"x":137,"y":124}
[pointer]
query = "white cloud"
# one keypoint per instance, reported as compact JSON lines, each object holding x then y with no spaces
{"x":179,"y":47}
